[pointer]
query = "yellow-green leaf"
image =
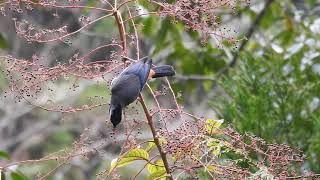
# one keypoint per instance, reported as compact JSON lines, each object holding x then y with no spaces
{"x":214,"y":169}
{"x":157,"y":169}
{"x":211,"y":168}
{"x":129,"y":157}
{"x":151,"y":145}
{"x":212,"y":125}
{"x":215,"y":146}
{"x":216,"y":151}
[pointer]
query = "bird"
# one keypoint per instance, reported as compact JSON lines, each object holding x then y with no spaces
{"x":126,"y":87}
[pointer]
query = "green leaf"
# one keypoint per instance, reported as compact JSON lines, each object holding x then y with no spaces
{"x":212,"y":125}
{"x":18,"y":176}
{"x":3,"y":43}
{"x":156,"y":170}
{"x":129,"y":157}
{"x":4,"y":155}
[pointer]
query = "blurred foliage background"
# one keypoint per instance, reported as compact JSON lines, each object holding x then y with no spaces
{"x":269,"y":88}
{"x":273,"y":90}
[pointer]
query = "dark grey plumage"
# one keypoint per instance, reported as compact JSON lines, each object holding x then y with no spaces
{"x":126,"y":87}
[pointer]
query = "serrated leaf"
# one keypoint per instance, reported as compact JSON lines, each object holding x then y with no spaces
{"x":129,"y":157}
{"x":4,"y":155}
{"x":156,"y":170}
{"x":212,"y":125}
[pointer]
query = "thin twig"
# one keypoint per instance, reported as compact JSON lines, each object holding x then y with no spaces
{"x":59,"y":38}
{"x":135,"y":32}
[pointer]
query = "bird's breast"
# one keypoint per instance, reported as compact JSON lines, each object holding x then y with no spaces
{"x":125,"y":89}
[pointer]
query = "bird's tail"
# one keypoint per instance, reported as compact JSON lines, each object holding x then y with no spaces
{"x":115,"y":115}
{"x":161,"y":71}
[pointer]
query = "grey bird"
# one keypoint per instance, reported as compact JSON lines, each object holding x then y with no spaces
{"x":125,"y":88}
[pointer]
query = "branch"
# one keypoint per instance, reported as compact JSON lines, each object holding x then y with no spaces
{"x":155,"y":136}
{"x":135,"y":32}
{"x":122,"y":31}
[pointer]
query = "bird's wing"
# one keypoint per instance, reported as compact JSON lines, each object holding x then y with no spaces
{"x":141,"y":69}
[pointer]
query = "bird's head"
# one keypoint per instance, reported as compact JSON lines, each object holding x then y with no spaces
{"x":115,"y":114}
